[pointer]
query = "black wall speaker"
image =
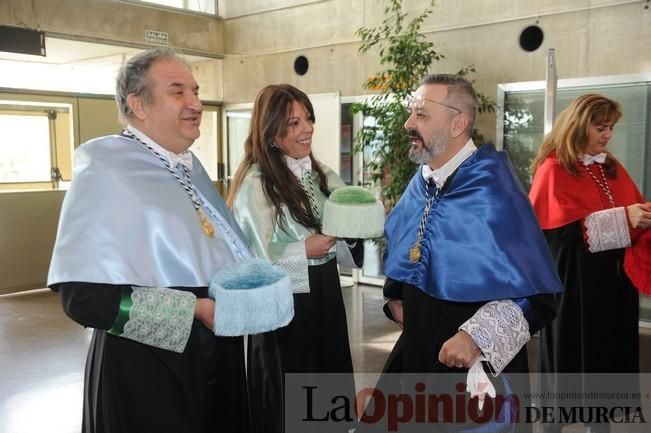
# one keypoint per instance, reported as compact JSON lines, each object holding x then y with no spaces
{"x":301,"y":65}
{"x":22,"y":41}
{"x":531,"y":38}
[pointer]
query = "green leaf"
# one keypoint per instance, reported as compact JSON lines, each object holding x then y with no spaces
{"x":408,"y":57}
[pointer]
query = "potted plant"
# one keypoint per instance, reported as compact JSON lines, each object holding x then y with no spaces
{"x":406,"y":57}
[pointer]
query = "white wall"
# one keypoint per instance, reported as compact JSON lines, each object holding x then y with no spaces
{"x":591,"y":38}
{"x":325,"y":141}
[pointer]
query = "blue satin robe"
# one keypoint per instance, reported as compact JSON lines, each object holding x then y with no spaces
{"x":481,"y":241}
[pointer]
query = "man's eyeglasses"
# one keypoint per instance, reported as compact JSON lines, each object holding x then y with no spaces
{"x":418,"y":102}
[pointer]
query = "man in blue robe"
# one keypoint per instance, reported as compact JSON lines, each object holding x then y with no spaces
{"x":142,"y":231}
{"x":469,"y":276}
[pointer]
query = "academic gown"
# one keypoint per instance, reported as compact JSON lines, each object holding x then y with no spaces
{"x":201,"y":390}
{"x":598,"y":311}
{"x":316,"y":340}
{"x":481,"y":243}
{"x":125,"y":223}
{"x":596,"y":327}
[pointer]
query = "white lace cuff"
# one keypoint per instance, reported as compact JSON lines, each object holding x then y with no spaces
{"x":607,"y":230}
{"x":294,"y":262}
{"x":344,"y":256}
{"x":500,"y":330}
{"x":160,"y":317}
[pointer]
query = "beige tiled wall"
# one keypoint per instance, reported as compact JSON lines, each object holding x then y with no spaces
{"x":590,"y":37}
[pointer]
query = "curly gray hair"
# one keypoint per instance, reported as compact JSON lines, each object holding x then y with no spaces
{"x":132,"y":78}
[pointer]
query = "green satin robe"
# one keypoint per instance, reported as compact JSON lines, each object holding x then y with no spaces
{"x":255,"y":215}
{"x":316,"y":340}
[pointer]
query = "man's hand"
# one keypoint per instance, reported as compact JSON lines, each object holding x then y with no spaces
{"x":395,"y":306}
{"x":460,"y":351}
{"x":204,"y":311}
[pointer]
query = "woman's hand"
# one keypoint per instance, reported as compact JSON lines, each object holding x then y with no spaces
{"x":204,"y":311}
{"x":318,"y":245}
{"x":639,"y":215}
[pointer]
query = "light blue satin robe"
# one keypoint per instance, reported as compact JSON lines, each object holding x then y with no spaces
{"x":127,"y":220}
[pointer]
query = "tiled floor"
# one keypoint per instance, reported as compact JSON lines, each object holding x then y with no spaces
{"x":42,"y":356}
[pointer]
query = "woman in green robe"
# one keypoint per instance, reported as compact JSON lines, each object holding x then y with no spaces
{"x":277,"y":198}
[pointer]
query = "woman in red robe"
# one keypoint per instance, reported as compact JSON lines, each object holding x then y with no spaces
{"x":591,"y":212}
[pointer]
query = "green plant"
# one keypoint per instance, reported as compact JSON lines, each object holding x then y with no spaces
{"x":518,"y":121}
{"x":406,"y":57}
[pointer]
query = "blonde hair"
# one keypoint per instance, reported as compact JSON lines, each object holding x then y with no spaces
{"x":569,"y":136}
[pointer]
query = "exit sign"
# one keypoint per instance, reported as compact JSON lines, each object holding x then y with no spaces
{"x":156,"y":37}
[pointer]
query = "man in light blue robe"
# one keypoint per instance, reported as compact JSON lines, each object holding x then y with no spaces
{"x":142,"y":231}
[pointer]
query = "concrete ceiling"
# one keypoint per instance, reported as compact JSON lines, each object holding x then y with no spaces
{"x":70,"y":66}
{"x":70,"y":52}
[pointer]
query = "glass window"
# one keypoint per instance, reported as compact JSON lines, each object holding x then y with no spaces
{"x":24,"y":148}
{"x":237,"y":124}
{"x":201,"y":6}
{"x":373,"y":269}
{"x":524,"y":116}
{"x":36,"y":145}
{"x":346,"y":145}
{"x":205,"y":147}
{"x":630,"y":143}
{"x":96,"y":78}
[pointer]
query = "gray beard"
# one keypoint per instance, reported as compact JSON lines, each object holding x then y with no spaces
{"x":428,"y":151}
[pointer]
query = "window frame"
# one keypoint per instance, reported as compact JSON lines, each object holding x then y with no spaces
{"x":504,"y":88}
{"x":181,"y":10}
{"x":577,"y":84}
{"x":61,"y":143}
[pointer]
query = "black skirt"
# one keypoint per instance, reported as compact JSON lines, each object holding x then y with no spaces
{"x":598,"y":310}
{"x":594,"y":340}
{"x":315,"y":341}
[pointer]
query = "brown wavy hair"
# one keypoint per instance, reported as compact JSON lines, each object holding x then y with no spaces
{"x":269,"y":118}
{"x":569,"y":136}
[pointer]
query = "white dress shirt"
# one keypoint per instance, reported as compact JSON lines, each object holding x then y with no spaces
{"x":174,"y":159}
{"x":441,"y":174}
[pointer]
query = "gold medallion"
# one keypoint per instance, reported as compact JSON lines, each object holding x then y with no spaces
{"x":414,"y":252}
{"x":208,"y":229}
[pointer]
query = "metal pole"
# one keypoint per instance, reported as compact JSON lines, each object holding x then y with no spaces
{"x":550,"y":91}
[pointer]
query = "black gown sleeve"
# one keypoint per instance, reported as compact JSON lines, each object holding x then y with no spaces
{"x":392,"y":290}
{"x":92,"y":305}
{"x":569,"y":235}
{"x":356,"y":247}
{"x":539,"y":310}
